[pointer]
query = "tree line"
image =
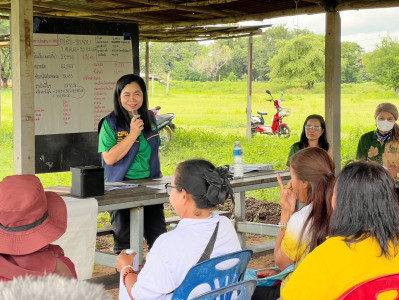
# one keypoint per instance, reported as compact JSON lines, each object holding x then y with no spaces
{"x":279,"y":54}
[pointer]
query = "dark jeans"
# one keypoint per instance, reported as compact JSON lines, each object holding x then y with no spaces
{"x":266,"y":292}
{"x":154,"y":226}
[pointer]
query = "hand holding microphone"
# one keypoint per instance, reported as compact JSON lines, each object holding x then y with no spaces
{"x":136,"y":124}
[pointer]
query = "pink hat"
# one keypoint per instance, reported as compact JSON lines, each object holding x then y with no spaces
{"x":30,"y":218}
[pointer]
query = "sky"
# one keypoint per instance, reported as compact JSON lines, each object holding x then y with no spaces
{"x":366,"y":27}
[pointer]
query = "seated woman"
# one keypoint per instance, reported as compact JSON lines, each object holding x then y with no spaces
{"x":363,"y":236}
{"x":313,"y":135}
{"x":312,"y":179}
{"x":196,"y":187}
{"x":30,"y":219}
{"x":382,"y":145}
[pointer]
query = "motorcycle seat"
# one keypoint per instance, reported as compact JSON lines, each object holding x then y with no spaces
{"x":262,"y":113}
{"x":163,"y":118}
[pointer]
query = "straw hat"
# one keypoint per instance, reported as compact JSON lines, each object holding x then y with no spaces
{"x":30,"y":218}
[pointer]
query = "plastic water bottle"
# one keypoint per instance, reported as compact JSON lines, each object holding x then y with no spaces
{"x":123,"y":294}
{"x":238,"y":160}
{"x":135,"y":259}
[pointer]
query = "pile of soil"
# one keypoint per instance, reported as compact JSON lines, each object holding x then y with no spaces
{"x":256,"y":210}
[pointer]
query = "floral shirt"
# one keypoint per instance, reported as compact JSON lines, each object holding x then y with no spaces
{"x":370,"y":148}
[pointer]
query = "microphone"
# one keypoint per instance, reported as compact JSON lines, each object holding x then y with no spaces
{"x":135,"y":113}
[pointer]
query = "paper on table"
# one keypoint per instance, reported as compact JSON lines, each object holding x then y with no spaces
{"x":109,"y":186}
{"x":118,"y":183}
{"x":160,"y":178}
{"x":252,"y":167}
{"x":158,"y":187}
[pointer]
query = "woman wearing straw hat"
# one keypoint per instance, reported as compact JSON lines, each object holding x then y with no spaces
{"x":382,"y":145}
{"x":31,"y":219}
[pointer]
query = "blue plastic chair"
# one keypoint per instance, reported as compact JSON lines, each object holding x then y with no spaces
{"x":244,"y":289}
{"x":216,"y":272}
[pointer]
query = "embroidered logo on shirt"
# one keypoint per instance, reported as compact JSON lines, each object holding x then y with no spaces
{"x":121,"y":135}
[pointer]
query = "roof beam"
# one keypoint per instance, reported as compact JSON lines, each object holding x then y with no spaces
{"x":168,"y":5}
{"x":64,"y":11}
{"x":252,"y":17}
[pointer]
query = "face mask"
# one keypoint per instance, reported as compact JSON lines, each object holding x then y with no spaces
{"x":384,"y":125}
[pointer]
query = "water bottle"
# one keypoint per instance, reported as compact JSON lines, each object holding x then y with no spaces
{"x":123,"y":294}
{"x":135,"y":259}
{"x":238,"y":160}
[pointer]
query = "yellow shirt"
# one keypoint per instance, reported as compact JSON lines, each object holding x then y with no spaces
{"x":333,"y":268}
{"x":290,"y":244}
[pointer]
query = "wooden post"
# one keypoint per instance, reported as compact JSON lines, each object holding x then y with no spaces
{"x":152,"y":85}
{"x":147,"y":63}
{"x":249,"y":89}
{"x":333,"y":85}
{"x":23,"y":89}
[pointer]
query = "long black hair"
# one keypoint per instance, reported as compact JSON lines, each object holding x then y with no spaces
{"x":316,"y":167}
{"x":121,"y":114}
{"x":323,"y":143}
{"x":207,"y":184}
{"x":366,"y":206}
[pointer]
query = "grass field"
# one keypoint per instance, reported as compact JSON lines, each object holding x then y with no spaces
{"x":210,"y":117}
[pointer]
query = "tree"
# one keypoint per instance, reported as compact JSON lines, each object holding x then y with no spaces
{"x":5,"y":66}
{"x":382,"y":65}
{"x":300,"y":59}
{"x":238,"y":64}
{"x":265,"y":47}
{"x":351,"y":65}
{"x":173,"y":58}
{"x":211,"y":64}
{"x":5,"y":55}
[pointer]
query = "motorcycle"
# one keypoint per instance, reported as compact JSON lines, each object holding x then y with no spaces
{"x":277,"y":127}
{"x":164,"y":124}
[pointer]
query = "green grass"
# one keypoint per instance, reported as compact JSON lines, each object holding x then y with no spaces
{"x":210,"y":117}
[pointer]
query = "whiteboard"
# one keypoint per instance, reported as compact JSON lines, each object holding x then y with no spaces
{"x":74,"y":79}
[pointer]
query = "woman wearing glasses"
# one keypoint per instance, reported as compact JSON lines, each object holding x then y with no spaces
{"x":313,"y":135}
{"x":196,"y":187}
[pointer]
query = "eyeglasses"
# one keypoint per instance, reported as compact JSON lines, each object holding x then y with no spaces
{"x":169,"y":187}
{"x":309,"y":127}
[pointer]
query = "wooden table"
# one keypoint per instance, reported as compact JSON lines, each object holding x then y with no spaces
{"x":136,"y":198}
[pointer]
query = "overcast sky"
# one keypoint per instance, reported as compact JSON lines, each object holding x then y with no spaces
{"x":365,"y":27}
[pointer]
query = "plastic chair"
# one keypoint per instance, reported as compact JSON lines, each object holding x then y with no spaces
{"x":370,"y":289}
{"x":216,"y":272}
{"x":245,"y":289}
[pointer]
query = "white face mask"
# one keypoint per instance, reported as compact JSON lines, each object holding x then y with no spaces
{"x":384,"y":125}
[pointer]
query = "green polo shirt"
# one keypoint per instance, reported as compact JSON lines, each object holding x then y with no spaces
{"x":294,"y":148}
{"x":140,"y":167}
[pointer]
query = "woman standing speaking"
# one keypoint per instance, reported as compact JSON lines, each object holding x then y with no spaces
{"x":129,"y":144}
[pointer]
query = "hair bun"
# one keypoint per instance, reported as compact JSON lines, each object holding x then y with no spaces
{"x":219,"y":185}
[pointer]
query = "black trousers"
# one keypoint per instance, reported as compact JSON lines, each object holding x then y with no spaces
{"x":266,"y":292}
{"x":154,"y":226}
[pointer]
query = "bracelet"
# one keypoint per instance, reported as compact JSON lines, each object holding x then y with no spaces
{"x":125,"y":267}
{"x":282,"y":225}
{"x":127,"y":273}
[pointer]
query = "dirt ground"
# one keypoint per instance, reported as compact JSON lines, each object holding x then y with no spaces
{"x":256,"y":211}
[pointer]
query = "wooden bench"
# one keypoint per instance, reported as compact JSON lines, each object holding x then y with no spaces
{"x":170,"y":220}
